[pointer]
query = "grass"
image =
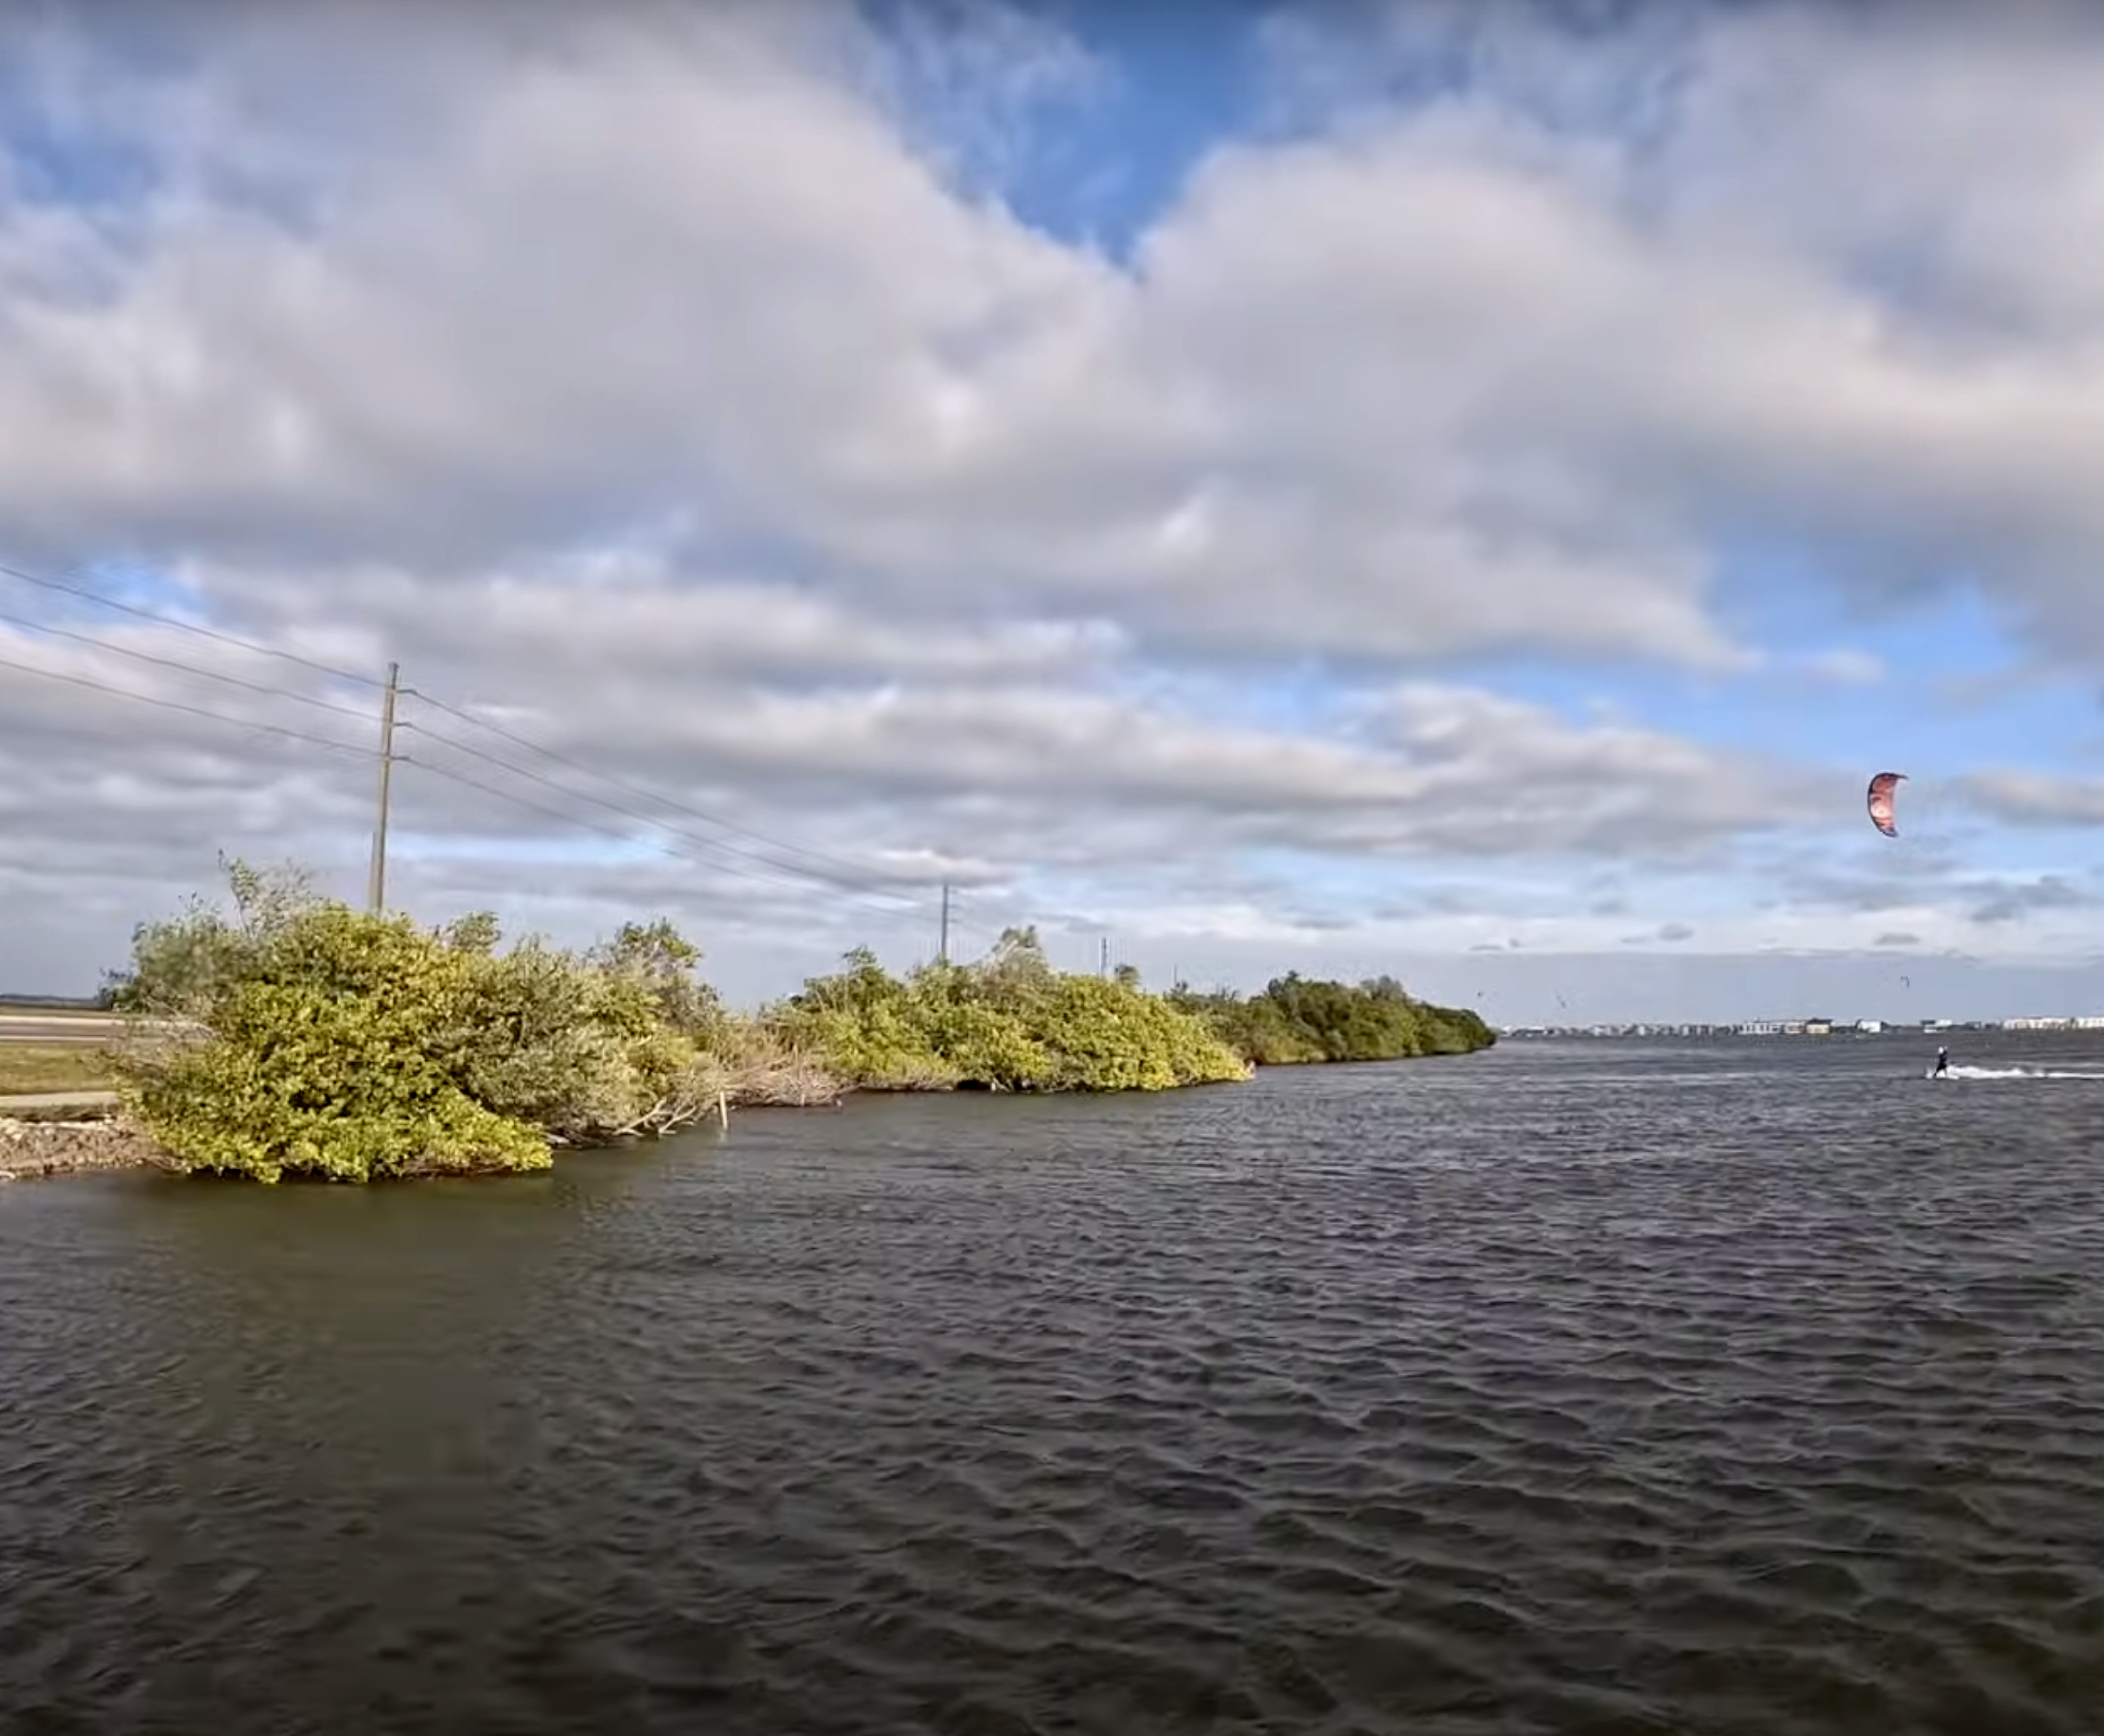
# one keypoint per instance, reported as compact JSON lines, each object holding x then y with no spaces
{"x":32,"y":1069}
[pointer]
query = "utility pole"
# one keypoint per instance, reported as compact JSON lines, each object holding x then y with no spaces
{"x":375,"y":886}
{"x":943,"y":954}
{"x":1103,"y":968}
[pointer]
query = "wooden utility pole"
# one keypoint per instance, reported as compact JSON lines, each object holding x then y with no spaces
{"x":375,"y":886}
{"x":1103,"y":967}
{"x":943,"y":952}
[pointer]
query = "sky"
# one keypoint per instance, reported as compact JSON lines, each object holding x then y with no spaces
{"x":1468,"y":490}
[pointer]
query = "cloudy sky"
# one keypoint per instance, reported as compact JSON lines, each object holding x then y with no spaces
{"x":1465,"y":489}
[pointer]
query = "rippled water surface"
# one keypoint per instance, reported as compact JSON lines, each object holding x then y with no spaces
{"x":1572,"y":1387}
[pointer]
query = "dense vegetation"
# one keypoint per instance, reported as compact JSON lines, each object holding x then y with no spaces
{"x":295,"y":1035}
{"x":311,"y":1038}
{"x":1009,"y":1021}
{"x":299,"y":1036}
{"x":1297,"y":1019}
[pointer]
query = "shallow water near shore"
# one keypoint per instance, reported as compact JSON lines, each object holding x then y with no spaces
{"x":1609,"y":1386}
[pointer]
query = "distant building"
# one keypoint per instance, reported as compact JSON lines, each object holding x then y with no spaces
{"x":1810,"y":1027}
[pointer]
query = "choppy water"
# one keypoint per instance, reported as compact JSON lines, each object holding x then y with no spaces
{"x":1571,"y":1388}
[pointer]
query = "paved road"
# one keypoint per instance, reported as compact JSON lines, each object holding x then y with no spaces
{"x":57,"y":1100}
{"x":58,"y":1028}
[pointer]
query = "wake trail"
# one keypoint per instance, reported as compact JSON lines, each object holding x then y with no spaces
{"x":2021,"y":1073}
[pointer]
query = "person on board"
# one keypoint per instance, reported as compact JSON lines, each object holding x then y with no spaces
{"x":1942,"y":1064}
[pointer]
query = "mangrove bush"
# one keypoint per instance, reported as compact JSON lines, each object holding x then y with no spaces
{"x":1007,"y":1022}
{"x":299,"y":1036}
{"x":1298,"y":1019}
{"x":293,"y":1035}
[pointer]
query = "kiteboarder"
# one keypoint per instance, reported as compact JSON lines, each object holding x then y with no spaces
{"x":1943,"y":1066}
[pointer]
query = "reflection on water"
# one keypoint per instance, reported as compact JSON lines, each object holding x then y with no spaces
{"x":1568,"y":1388}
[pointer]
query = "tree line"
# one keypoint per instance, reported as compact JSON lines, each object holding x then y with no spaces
{"x":1297,"y":1019}
{"x":294,"y":1035}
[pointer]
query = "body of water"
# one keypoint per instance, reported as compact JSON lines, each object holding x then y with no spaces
{"x":1574,"y":1387}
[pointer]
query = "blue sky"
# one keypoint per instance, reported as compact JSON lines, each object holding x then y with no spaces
{"x":1106,"y":152}
{"x":1336,"y":488}
{"x":1945,"y":688}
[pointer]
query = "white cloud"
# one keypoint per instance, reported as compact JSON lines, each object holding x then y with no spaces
{"x":1896,"y":364}
{"x":999,"y":782}
{"x":986,"y":408}
{"x":1847,"y":667}
{"x":2017,"y":798}
{"x":1430,"y":387}
{"x":669,"y":381}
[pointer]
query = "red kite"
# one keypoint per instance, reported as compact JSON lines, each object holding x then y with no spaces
{"x":1883,"y":788}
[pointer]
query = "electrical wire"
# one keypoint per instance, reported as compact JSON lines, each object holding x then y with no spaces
{"x":857,"y":877}
{"x":188,"y":669}
{"x":192,"y":711}
{"x":842,"y":875}
{"x":213,"y":634}
{"x":499,"y":794}
{"x":853,"y":888}
{"x":491,"y":791}
{"x":373,"y":754}
{"x":636,"y":790}
{"x":732,"y":868}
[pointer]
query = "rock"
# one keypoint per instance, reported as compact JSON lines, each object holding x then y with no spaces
{"x":29,"y":1148}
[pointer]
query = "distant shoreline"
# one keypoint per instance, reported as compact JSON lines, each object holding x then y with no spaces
{"x":1756,"y":1031}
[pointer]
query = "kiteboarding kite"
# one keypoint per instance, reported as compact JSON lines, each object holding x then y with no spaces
{"x":1883,"y":788}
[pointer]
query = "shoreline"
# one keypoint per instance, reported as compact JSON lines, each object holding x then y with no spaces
{"x":80,"y":1137}
{"x":408,"y":1035}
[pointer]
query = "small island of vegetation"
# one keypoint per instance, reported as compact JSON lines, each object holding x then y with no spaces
{"x":1298,"y":1019}
{"x":295,"y":1035}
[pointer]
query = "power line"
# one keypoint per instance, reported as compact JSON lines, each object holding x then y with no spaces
{"x":362,"y":753}
{"x":209,"y":715}
{"x":853,"y":892}
{"x":499,"y":794}
{"x":176,"y":663}
{"x":846,"y":876}
{"x":213,"y":634}
{"x":192,"y":711}
{"x":491,"y":790}
{"x":970,"y":929}
{"x":860,"y":883}
{"x":633,"y":789}
{"x":349,"y":748}
{"x":495,"y":794}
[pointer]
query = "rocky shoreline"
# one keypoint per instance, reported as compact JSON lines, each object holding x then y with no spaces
{"x":33,"y":1148}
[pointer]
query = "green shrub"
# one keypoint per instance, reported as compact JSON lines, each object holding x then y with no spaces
{"x":310,"y":1039}
{"x":1008,"y":1021}
{"x":1297,"y":1019}
{"x":327,"y":1052}
{"x":323,"y":1040}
